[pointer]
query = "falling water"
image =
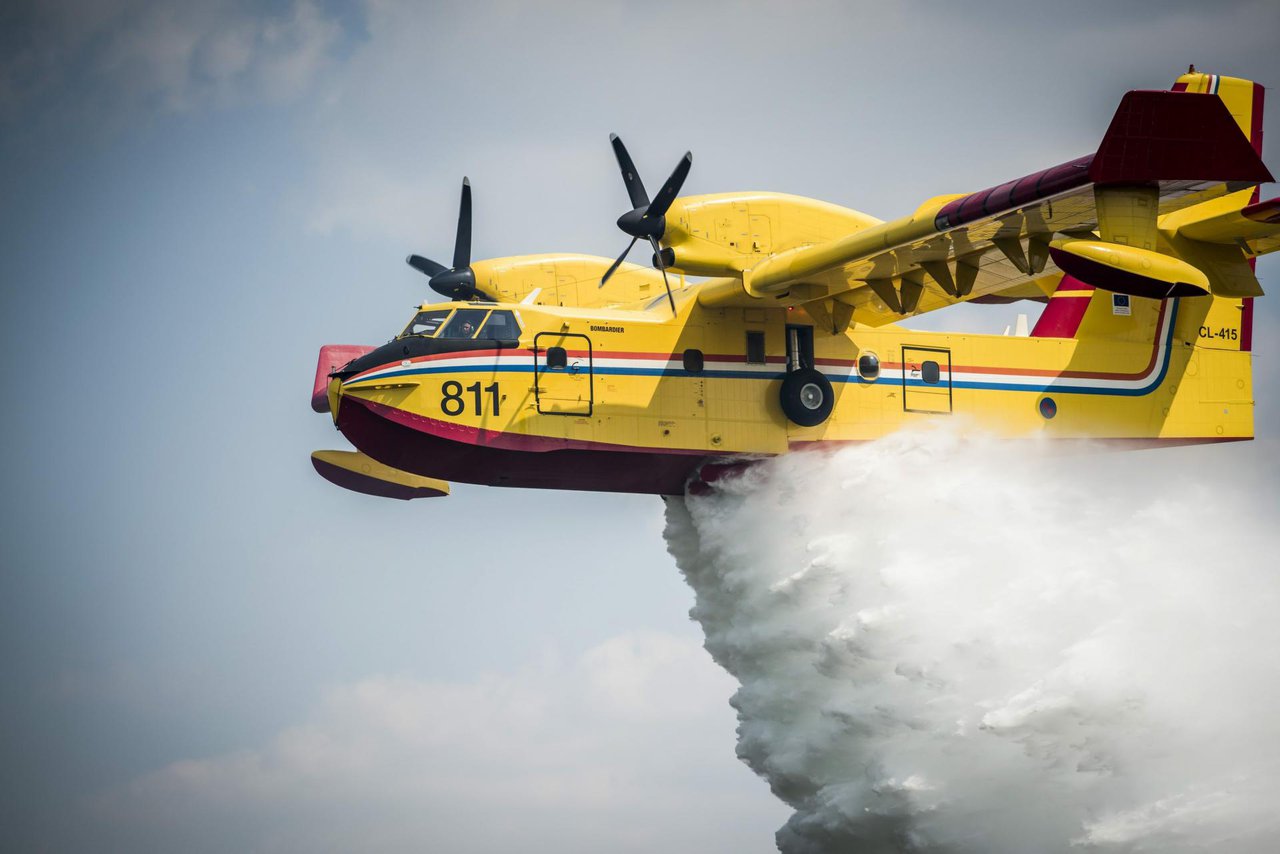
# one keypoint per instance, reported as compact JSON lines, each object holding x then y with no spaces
{"x":954,"y":644}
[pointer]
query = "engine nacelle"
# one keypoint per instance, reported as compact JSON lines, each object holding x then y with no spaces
{"x":565,"y":279}
{"x":726,"y":233}
{"x":700,"y":258}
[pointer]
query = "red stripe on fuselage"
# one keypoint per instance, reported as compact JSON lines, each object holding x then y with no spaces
{"x":1088,"y":375}
{"x":830,"y":363}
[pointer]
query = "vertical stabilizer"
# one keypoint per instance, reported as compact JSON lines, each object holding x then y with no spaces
{"x":1245,"y":100}
{"x":1077,"y":310}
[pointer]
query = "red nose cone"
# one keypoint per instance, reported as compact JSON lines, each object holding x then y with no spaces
{"x":332,"y":357}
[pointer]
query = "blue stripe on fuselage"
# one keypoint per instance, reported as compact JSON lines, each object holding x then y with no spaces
{"x":1059,"y":386}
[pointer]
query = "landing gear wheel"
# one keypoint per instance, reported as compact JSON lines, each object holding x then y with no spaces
{"x":806,"y":398}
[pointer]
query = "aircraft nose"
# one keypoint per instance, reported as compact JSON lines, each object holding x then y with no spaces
{"x":332,"y":357}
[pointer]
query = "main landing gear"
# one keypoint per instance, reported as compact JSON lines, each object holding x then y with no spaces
{"x":806,"y":397}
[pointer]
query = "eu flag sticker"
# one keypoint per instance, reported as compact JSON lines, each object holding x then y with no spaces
{"x":1120,"y":304}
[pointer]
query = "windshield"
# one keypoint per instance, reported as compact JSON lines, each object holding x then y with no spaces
{"x":501,"y":326}
{"x":465,"y":323}
{"x":426,"y":323}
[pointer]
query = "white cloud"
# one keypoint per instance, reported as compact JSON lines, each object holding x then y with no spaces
{"x":626,"y":747}
{"x":123,"y":57}
{"x":293,"y":50}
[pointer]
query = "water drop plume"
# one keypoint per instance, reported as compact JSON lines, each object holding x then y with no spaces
{"x":957,"y":644}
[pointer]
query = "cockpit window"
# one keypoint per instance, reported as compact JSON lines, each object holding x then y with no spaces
{"x":465,"y":323}
{"x":501,"y":326}
{"x":426,"y":323}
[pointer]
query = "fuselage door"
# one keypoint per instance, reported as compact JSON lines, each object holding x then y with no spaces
{"x":562,"y":377}
{"x":926,"y":379}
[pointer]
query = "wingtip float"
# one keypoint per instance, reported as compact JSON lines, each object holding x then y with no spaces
{"x":578,"y":372}
{"x":357,"y":472}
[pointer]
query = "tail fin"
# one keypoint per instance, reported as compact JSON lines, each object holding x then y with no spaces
{"x":1217,"y":322}
{"x":1245,"y":101}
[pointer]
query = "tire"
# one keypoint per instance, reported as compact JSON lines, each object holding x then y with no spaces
{"x":806,"y":397}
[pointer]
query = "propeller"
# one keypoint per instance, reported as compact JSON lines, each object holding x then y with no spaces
{"x":647,"y":218}
{"x":459,"y":281}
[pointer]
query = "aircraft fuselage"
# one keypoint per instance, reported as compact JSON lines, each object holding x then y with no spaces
{"x":632,"y":401}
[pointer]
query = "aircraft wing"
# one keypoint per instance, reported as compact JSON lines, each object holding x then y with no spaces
{"x":955,"y":248}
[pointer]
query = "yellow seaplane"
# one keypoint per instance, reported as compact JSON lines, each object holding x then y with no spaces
{"x":769,"y":323}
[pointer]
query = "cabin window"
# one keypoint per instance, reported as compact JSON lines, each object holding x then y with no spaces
{"x":426,"y":323}
{"x":929,"y":372}
{"x":557,"y":359}
{"x":501,"y":326}
{"x":465,"y":323}
{"x":693,"y":361}
{"x":755,"y":348}
{"x":869,"y":366}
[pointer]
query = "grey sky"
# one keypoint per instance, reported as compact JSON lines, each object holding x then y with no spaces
{"x":196,"y":197}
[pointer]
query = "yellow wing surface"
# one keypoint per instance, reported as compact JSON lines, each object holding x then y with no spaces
{"x":1169,"y":179}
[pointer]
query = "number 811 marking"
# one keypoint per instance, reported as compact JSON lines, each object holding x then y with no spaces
{"x":451,"y":402}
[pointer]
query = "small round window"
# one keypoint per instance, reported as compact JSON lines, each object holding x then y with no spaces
{"x":868,"y":366}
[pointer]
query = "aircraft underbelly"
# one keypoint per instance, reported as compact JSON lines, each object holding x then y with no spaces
{"x":423,"y":453}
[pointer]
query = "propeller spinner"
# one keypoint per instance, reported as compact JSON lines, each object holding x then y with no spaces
{"x":459,"y":281}
{"x":647,"y":218}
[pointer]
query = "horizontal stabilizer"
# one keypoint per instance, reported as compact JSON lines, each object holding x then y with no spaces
{"x":1232,"y":221}
{"x":355,"y":471}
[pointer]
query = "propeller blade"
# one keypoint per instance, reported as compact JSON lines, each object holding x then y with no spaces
{"x":630,"y":177}
{"x":462,"y":247}
{"x":671,"y":189}
{"x":618,"y":263}
{"x":657,"y":253}
{"x":425,"y":265}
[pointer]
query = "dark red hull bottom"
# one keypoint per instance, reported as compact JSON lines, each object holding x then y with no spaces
{"x":421,"y":453}
{"x":407,"y":449}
